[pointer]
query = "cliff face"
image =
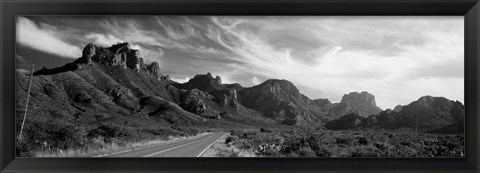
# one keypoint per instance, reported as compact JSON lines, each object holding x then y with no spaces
{"x":281,"y":100}
{"x":117,"y":55}
{"x":363,"y":103}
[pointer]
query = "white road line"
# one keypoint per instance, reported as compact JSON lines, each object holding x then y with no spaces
{"x":152,"y":154}
{"x":148,"y":147}
{"x":208,"y":147}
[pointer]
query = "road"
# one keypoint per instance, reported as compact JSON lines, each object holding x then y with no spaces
{"x":184,"y":148}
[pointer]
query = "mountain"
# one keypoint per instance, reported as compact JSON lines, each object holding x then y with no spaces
{"x":398,"y":108}
{"x":281,"y":100}
{"x":115,"y":82}
{"x":112,"y":88}
{"x":362,"y":103}
{"x":426,"y":114}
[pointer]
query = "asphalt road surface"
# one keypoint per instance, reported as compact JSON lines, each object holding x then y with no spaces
{"x":184,"y":148}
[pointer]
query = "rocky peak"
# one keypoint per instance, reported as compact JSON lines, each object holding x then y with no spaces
{"x":88,"y":52}
{"x":204,"y":82}
{"x":279,"y":87}
{"x":359,"y":97}
{"x":154,"y":69}
{"x":363,"y":102}
{"x":218,"y":79}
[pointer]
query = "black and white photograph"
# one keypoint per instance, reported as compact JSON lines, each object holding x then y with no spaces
{"x":240,"y":86}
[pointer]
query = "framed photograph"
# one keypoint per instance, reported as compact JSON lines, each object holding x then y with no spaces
{"x":255,"y":86}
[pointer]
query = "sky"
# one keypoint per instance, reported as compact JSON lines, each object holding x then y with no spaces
{"x":396,"y":58}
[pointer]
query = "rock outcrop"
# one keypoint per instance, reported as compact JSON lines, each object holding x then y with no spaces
{"x":280,"y":99}
{"x":226,"y":97}
{"x":218,"y":79}
{"x":364,"y":103}
{"x":88,"y":52}
{"x":154,"y":69}
{"x":194,"y":101}
{"x":119,"y":54}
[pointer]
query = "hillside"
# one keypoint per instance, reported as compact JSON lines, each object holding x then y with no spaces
{"x":109,"y":93}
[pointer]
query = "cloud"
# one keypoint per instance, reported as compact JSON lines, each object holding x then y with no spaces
{"x":180,"y":80}
{"x":354,"y":56}
{"x":42,"y":37}
{"x":255,"y":80}
{"x":103,"y":39}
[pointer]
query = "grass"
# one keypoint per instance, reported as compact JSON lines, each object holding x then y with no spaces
{"x":58,"y":139}
{"x":347,"y":143}
{"x":106,"y":148}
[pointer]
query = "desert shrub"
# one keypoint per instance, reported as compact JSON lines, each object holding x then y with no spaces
{"x":54,"y":134}
{"x":229,"y":139}
{"x":362,"y":141}
{"x":306,"y":152}
{"x":188,"y":131}
{"x":344,"y":141}
{"x":265,"y":130}
{"x":25,"y":146}
{"x":237,"y":132}
{"x":404,"y":143}
{"x":316,"y":145}
{"x":162,"y":132}
{"x":108,"y":131}
{"x":365,"y":151}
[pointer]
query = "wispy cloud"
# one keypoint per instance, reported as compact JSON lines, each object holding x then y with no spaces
{"x":357,"y":55}
{"x":42,"y":37}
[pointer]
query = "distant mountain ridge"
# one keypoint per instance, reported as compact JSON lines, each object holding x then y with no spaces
{"x":427,"y":114}
{"x":115,"y":80}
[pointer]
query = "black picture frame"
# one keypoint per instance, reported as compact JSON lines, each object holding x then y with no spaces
{"x":470,"y":9}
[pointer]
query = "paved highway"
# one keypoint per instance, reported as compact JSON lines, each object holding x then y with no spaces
{"x":184,"y":148}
